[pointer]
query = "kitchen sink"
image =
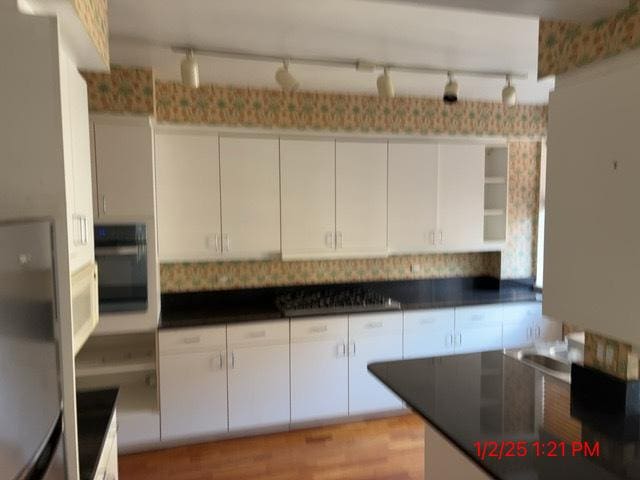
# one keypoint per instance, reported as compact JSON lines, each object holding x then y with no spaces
{"x":548,"y":363}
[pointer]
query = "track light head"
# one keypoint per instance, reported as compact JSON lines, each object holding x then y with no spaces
{"x":385,"y":85}
{"x":509,"y":97}
{"x":189,"y":70}
{"x":285,"y":79}
{"x":451,"y":90}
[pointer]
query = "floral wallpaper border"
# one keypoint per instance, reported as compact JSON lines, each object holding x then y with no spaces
{"x":123,"y":90}
{"x":564,"y":46}
{"x":357,"y":113}
{"x":94,"y":16}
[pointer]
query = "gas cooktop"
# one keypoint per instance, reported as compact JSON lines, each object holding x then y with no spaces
{"x":325,"y":302}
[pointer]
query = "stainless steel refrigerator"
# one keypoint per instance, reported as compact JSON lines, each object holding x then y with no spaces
{"x":30,"y":401}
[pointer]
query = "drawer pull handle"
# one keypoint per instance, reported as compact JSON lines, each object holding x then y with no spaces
{"x":191,"y":340}
{"x":319,"y":329}
{"x":260,"y":334}
{"x":374,"y":325}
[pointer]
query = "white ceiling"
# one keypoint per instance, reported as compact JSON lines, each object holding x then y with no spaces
{"x":395,"y":32}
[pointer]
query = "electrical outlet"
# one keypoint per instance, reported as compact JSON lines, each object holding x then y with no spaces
{"x":415,"y":267}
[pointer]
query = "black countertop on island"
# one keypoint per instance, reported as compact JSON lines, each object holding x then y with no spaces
{"x":493,"y":397}
{"x":192,"y":309}
{"x":95,"y":409}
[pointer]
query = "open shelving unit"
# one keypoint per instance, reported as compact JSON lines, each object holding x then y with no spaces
{"x":495,"y":195}
{"x":129,"y":363}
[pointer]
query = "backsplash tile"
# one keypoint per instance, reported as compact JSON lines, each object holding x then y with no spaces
{"x":616,"y":358}
{"x":184,"y":277}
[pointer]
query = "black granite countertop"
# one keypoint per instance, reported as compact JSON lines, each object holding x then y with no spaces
{"x":230,"y":306}
{"x":95,"y":410}
{"x":493,"y":397}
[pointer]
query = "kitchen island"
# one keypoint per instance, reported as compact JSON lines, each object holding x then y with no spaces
{"x":489,"y":415}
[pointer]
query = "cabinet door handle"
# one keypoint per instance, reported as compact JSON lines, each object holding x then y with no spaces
{"x":226,"y":243}
{"x":85,"y":229}
{"x":233,"y":360}
{"x":459,"y":338}
{"x":328,"y":240}
{"x":339,"y":239}
{"x":341,"y":350}
{"x":538,"y":331}
{"x":432,"y":237}
{"x":221,"y":360}
{"x":441,"y":237}
{"x":104,"y":204}
{"x":352,"y":349}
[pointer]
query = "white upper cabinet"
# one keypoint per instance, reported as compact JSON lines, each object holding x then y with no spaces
{"x":413,"y":197}
{"x":308,"y":208}
{"x":250,"y":195}
{"x":461,"y":197}
{"x":123,"y":148}
{"x":361,"y":198}
{"x":188,"y":197}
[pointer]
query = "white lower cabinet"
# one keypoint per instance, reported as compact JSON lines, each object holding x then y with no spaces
{"x":429,"y":333}
{"x":524,"y":325}
{"x":373,"y":337}
{"x":478,"y":328}
{"x":319,"y":368}
{"x":193,"y":383}
{"x":258,"y":375}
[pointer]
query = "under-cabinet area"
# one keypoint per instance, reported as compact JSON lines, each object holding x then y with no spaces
{"x":262,"y":196}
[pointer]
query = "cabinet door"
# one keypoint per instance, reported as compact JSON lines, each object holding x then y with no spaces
{"x":518,"y":324}
{"x":193,"y":394}
{"x":124,"y":168}
{"x":478,"y":329}
{"x":250,"y":195}
{"x":307,"y":169}
{"x":372,"y":338}
{"x":547,"y":330}
{"x":428,"y":333}
{"x":259,"y":387}
{"x":461,"y":197}
{"x":361,"y":198}
{"x":413,"y":197}
{"x":188,"y":197}
{"x":319,"y":380}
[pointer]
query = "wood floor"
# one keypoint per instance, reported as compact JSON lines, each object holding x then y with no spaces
{"x":385,"y":449}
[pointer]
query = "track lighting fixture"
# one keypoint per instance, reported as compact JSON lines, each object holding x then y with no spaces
{"x":385,"y":85}
{"x":285,"y":79}
{"x":509,"y":97}
{"x":189,"y":70}
{"x":451,"y":90}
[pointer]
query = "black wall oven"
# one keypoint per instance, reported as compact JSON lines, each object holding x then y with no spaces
{"x":121,"y":254}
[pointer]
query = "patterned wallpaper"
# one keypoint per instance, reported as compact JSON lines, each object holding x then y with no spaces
{"x":564,"y":46}
{"x":519,"y":256}
{"x":211,"y":104}
{"x":93,"y":15}
{"x":181,"y":277}
{"x":122,"y":90}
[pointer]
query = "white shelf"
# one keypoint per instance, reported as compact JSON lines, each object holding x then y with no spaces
{"x":495,"y":180}
{"x":493,"y":212}
{"x":96,"y":369}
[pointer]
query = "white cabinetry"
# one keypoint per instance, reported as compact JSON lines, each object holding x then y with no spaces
{"x":123,"y":150}
{"x":373,"y":337}
{"x":429,"y":333}
{"x":361,"y":198}
{"x":308,"y":199}
{"x":413,"y":197}
{"x":193,"y":382}
{"x":319,"y":368}
{"x":188,"y":196}
{"x":478,"y":328}
{"x":258,"y":375}
{"x":461,"y":197}
{"x":524,"y":325}
{"x":250,"y":196}
{"x":77,"y":158}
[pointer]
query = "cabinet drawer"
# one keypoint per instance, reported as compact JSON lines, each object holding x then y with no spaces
{"x":375,"y":323}
{"x":519,"y":312}
{"x":320,"y":328}
{"x":420,"y":319}
{"x":258,"y":333}
{"x":473,"y":317}
{"x":191,"y":339}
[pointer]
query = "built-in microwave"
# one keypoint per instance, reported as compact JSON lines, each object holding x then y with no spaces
{"x":121,"y":254}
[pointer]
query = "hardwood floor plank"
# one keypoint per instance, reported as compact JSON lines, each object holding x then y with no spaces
{"x":383,"y":449}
